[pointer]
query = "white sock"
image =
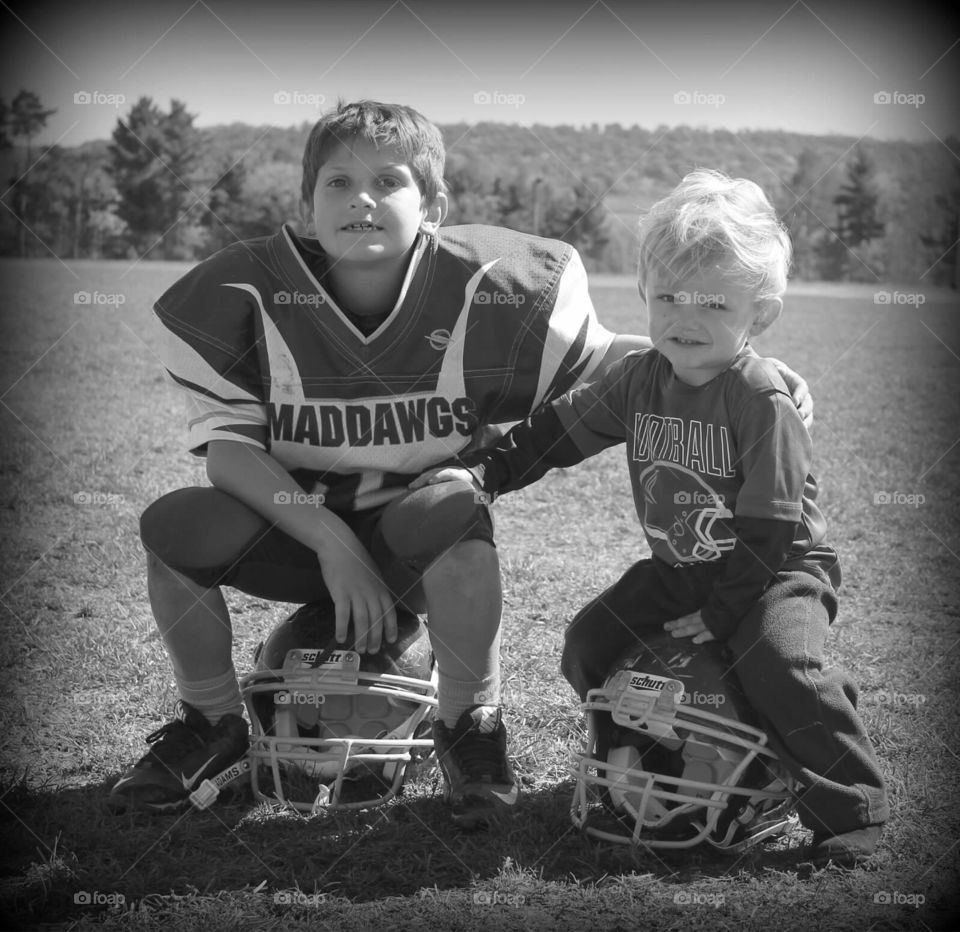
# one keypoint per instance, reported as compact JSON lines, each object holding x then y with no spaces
{"x":456,"y":696}
{"x":215,"y":697}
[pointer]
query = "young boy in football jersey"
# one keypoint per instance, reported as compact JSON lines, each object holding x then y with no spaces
{"x":719,"y":461}
{"x":321,"y":375}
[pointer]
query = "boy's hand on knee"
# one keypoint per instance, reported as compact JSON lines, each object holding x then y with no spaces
{"x":444,"y":474}
{"x":359,"y":595}
{"x":689,"y":626}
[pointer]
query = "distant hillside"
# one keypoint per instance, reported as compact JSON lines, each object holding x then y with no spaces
{"x":549,"y":179}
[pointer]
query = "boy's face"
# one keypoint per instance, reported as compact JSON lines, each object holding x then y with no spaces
{"x":702,"y":322}
{"x":367,"y":205}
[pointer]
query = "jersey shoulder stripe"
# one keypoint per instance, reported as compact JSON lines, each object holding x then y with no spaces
{"x":533,"y":331}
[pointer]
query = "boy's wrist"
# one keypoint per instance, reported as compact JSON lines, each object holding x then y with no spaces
{"x":482,"y":475}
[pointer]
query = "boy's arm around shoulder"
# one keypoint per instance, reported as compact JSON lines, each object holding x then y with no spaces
{"x":529,"y":450}
{"x":563,"y":433}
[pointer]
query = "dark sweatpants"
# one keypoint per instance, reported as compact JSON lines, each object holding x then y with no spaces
{"x":777,"y":653}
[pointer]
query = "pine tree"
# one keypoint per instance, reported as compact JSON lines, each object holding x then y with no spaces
{"x":856,"y":202}
{"x":153,"y":156}
{"x":943,"y":241}
{"x":23,"y":119}
{"x":224,"y":207}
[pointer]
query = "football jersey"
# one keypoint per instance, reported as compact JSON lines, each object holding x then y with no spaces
{"x":698,"y":456}
{"x":488,"y":325}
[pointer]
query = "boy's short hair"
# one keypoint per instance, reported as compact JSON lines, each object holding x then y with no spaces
{"x":710,"y":217}
{"x":411,"y":133}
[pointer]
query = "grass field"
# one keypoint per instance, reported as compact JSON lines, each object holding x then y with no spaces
{"x":92,"y":434}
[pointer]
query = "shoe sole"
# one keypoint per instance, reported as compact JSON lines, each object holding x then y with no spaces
{"x":119,"y":805}
{"x":844,"y":862}
{"x":495,"y":811}
{"x":470,"y":821}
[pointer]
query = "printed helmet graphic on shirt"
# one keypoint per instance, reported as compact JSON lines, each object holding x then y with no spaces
{"x":680,"y":509}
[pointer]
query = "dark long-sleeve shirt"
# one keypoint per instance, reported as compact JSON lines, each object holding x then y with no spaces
{"x":720,"y":472}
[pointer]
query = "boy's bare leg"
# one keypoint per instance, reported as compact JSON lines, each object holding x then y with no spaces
{"x":464,"y":603}
{"x":194,"y":623}
{"x":208,"y":733}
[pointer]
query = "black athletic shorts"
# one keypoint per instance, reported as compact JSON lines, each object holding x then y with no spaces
{"x":215,"y":539}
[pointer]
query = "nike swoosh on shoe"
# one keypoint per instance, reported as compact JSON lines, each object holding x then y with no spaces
{"x":509,"y":797}
{"x":189,"y":781}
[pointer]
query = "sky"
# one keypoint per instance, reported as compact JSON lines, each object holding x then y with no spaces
{"x":858,"y":69}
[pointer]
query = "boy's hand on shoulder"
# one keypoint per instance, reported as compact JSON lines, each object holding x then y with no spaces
{"x":799,"y":391}
{"x":689,"y":626}
{"x":359,"y":595}
{"x":444,"y":474}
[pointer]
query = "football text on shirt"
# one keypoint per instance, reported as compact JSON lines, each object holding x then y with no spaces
{"x":687,"y":442}
{"x":399,"y":421}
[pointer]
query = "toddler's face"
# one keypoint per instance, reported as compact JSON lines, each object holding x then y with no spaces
{"x":700,"y":323}
{"x":367,"y":204}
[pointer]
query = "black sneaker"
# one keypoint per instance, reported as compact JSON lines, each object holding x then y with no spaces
{"x":479,"y":782}
{"x":848,"y":849}
{"x":183,"y":754}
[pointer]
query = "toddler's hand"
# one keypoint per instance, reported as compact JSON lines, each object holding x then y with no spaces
{"x":444,"y":474}
{"x":689,"y":626}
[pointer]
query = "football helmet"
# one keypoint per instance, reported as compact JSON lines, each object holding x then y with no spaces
{"x":322,"y":713}
{"x":674,"y":757}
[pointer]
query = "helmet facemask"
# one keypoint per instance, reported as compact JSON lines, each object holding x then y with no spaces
{"x":659,"y":772}
{"x":335,"y":729}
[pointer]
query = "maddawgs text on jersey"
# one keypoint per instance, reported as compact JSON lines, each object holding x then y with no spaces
{"x":489,"y":324}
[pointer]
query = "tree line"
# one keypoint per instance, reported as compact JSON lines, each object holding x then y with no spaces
{"x":162,"y":188}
